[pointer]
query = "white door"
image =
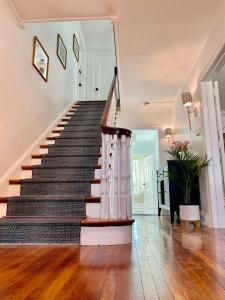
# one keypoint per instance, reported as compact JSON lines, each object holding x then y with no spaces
{"x":150,"y":202}
{"x":103,"y":74}
{"x":211,"y":184}
{"x":81,"y":76}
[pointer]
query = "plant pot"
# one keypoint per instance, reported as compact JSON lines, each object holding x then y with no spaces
{"x":189,"y":213}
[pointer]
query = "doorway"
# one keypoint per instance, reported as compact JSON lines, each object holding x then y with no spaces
{"x":145,"y":162}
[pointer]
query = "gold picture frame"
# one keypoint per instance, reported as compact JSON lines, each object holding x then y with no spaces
{"x":76,"y":47}
{"x":40,"y":59}
{"x":61,"y":51}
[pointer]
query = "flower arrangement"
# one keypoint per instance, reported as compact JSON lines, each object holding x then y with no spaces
{"x":190,"y":165}
{"x":180,"y":146}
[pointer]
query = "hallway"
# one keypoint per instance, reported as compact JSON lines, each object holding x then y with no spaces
{"x":162,"y":263}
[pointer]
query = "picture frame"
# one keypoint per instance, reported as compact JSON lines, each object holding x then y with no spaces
{"x":61,"y":51}
{"x":76,"y":47}
{"x":40,"y":59}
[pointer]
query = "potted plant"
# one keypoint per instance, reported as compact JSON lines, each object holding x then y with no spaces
{"x":190,"y":166}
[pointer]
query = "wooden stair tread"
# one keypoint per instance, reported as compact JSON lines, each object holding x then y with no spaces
{"x":36,"y":156}
{"x":44,"y":146}
{"x":51,"y":138}
{"x":27,"y":167}
{"x":92,"y":199}
{"x":3,"y":200}
{"x":91,"y":222}
{"x":30,"y":167}
{"x":57,"y":130}
{"x":19,"y":181}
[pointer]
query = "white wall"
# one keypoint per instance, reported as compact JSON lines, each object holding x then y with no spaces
{"x":211,"y":47}
{"x":29,"y":104}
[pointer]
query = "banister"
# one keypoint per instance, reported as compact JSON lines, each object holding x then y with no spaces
{"x":108,"y":129}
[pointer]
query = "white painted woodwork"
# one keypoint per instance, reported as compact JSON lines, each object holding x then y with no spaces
{"x":115,"y":179}
{"x":212,"y":186}
{"x":100,"y":72}
{"x":109,"y":235}
{"x":93,"y":210}
{"x":96,"y":190}
{"x":3,"y":208}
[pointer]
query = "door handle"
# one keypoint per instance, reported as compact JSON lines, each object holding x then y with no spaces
{"x":96,"y":89}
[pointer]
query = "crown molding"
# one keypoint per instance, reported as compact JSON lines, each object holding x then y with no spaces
{"x":16,"y":14}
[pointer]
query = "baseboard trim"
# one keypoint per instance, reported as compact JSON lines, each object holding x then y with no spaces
{"x":5,"y":177}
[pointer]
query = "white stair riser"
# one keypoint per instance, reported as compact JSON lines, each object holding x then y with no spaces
{"x":14,"y":190}
{"x":36,"y":161}
{"x":97,"y":173}
{"x":93,"y":210}
{"x":109,"y":235}
{"x":3,"y":207}
{"x":96,"y":190}
{"x":26,"y":174}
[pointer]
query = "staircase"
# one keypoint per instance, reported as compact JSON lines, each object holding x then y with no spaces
{"x":52,"y":204}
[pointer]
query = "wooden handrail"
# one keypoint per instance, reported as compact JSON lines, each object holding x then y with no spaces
{"x":107,"y":129}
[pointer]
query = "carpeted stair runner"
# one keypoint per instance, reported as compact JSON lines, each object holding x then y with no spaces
{"x":52,"y":203}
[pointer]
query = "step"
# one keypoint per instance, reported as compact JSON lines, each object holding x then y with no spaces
{"x":46,"y":230}
{"x":85,"y":127}
{"x":82,"y":134}
{"x":44,"y":146}
{"x":36,"y":156}
{"x":106,"y":232}
{"x":87,"y":113}
{"x":88,"y":199}
{"x":52,"y":205}
{"x":58,"y":186}
{"x":80,"y":151}
{"x":55,"y":152}
{"x":55,"y":186}
{"x":78,"y":142}
{"x":70,"y":161}
{"x":85,"y":118}
{"x":83,"y":122}
{"x":90,"y":222}
{"x":62,"y":172}
{"x":57,"y":130}
{"x":3,"y":200}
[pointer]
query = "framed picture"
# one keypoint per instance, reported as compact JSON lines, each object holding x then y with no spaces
{"x":76,"y":48}
{"x":61,"y":51}
{"x":40,"y":59}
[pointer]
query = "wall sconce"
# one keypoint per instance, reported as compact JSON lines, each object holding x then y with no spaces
{"x":168,"y":134}
{"x":188,"y":102}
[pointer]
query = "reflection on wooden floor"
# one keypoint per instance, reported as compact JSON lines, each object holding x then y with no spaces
{"x":164,"y":262}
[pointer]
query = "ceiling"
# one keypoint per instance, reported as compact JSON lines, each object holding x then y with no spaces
{"x":158,"y":41}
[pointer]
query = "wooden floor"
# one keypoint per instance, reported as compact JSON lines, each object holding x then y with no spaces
{"x":163,"y":263}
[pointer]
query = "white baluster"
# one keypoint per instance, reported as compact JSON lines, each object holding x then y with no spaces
{"x":105,"y":183}
{"x":115,"y":188}
{"x":123,"y":181}
{"x":128,"y":179}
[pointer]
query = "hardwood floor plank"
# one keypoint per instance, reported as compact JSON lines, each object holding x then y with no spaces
{"x":164,"y":263}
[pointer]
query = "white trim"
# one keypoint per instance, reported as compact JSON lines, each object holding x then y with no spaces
{"x":110,"y":235}
{"x":20,"y":160}
{"x":213,"y":172}
{"x":67,"y":19}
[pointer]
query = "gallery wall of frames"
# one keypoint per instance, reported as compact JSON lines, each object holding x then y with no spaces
{"x":41,"y":59}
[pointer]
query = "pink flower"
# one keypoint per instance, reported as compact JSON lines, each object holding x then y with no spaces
{"x":180,"y":145}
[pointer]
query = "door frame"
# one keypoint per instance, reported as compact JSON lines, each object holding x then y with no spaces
{"x":211,"y":186}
